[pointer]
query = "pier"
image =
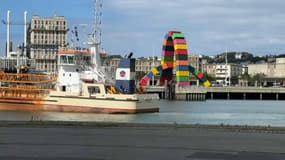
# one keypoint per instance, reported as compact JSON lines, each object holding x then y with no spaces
{"x":198,"y":93}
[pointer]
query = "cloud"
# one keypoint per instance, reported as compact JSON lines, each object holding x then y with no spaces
{"x":210,"y":25}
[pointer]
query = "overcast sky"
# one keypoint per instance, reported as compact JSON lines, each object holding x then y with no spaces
{"x":210,"y":26}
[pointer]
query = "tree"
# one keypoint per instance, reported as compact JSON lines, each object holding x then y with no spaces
{"x":245,"y":76}
{"x":258,"y":77}
{"x":210,"y":77}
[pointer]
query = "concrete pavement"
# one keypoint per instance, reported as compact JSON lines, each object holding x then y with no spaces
{"x":139,"y":142}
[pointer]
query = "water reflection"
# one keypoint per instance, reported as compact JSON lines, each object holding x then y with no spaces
{"x":181,"y":112}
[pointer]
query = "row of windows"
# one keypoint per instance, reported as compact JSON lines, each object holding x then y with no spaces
{"x":44,"y":56}
{"x":46,"y":67}
{"x":59,"y":42}
{"x":49,"y":22}
{"x":50,"y":36}
{"x":38,"y":32}
{"x":116,"y":63}
{"x":49,"y":27}
{"x":49,"y":39}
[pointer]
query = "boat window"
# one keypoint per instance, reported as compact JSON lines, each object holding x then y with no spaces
{"x":70,"y":59}
{"x":93,"y":90}
{"x":63,"y":59}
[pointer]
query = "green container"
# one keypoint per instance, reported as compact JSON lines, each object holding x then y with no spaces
{"x":182,"y":78}
{"x":177,"y":35}
{"x":167,"y":59}
{"x":168,"y":48}
{"x":196,"y":71}
{"x":181,"y":57}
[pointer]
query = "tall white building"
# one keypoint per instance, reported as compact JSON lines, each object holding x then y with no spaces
{"x":45,"y":36}
{"x":228,"y":74}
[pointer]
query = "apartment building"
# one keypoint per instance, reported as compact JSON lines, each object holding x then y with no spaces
{"x":195,"y":61}
{"x":274,"y":69}
{"x":146,"y":64}
{"x":226,"y":74}
{"x":45,"y":36}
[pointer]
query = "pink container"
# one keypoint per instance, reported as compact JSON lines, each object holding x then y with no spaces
{"x":179,"y":41}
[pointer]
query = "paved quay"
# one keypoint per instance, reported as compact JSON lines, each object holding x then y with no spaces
{"x":108,"y":141}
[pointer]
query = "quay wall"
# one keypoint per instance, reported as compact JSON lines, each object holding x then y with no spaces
{"x":195,"y":93}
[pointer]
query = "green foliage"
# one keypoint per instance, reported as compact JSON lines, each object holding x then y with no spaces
{"x":258,"y":77}
{"x":281,"y":56}
{"x":115,"y":56}
{"x":245,"y":76}
{"x":210,"y":77}
{"x":240,"y":57}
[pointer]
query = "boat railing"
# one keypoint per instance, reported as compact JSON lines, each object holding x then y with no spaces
{"x":26,"y":85}
{"x":27,"y":78}
{"x":13,"y":92}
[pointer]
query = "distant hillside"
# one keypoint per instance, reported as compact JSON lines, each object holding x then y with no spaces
{"x":242,"y":57}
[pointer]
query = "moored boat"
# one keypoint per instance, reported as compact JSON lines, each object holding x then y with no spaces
{"x":66,"y":91}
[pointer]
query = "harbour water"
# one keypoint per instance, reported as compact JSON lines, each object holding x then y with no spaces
{"x":232,"y":112}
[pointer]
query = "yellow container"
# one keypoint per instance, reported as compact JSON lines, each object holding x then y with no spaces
{"x":182,"y":73}
{"x":207,"y":83}
{"x":180,"y":46}
{"x":154,"y":71}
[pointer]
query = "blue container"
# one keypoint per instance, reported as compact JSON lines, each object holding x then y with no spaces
{"x":126,"y":86}
{"x":191,"y":69}
{"x":128,"y":63}
{"x":182,"y":68}
{"x":150,"y":74}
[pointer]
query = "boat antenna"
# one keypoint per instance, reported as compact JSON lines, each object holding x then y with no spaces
{"x":96,"y":33}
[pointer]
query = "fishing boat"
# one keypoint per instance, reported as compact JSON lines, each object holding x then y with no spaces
{"x":74,"y":89}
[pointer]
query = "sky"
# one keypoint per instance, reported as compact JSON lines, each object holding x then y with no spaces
{"x":210,"y":26}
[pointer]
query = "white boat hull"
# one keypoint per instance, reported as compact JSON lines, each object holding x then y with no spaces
{"x":137,"y":104}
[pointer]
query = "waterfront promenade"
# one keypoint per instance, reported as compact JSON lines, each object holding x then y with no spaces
{"x":107,"y":141}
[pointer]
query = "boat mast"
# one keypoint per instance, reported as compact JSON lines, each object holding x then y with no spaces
{"x":8,"y":34}
{"x":96,"y":39}
{"x":226,"y":69}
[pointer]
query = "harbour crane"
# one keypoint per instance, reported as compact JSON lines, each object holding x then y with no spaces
{"x":8,"y":23}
